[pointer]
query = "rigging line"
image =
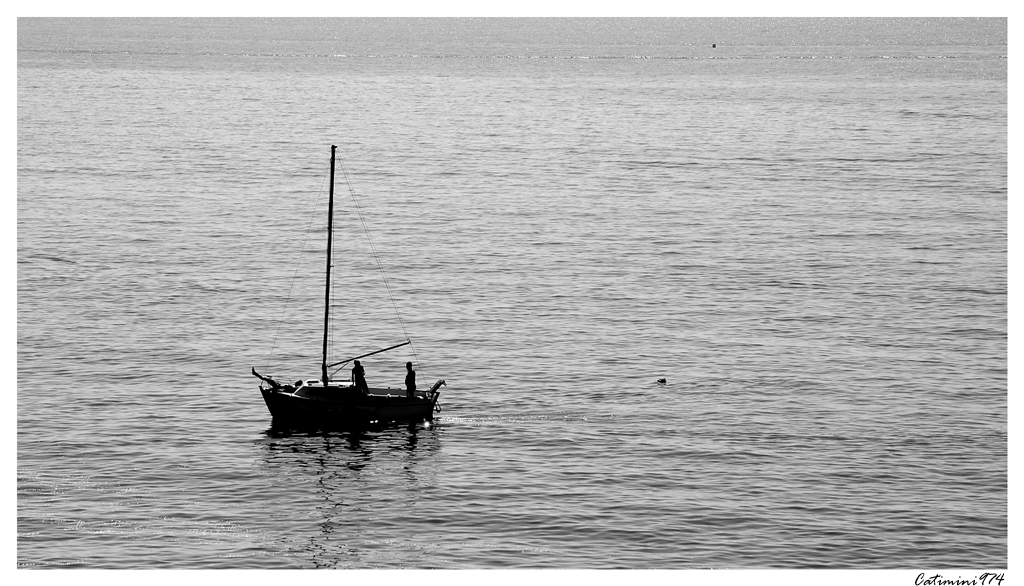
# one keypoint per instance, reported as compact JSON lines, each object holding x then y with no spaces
{"x":298,"y":263}
{"x":376,"y":257}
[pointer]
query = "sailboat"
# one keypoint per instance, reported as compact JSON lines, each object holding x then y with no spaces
{"x":326,"y":401}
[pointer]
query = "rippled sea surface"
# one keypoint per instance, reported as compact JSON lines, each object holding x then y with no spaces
{"x":803,"y":230}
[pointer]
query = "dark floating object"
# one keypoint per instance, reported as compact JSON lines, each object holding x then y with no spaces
{"x":713,"y":46}
{"x":327,"y":402}
{"x":662,"y":381}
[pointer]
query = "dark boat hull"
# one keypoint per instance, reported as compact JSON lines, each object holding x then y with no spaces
{"x":333,"y":406}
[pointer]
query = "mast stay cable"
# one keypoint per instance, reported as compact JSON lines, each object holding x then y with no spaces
{"x":298,"y":263}
{"x":376,"y":257}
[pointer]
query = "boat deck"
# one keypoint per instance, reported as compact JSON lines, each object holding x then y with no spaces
{"x":315,"y":389}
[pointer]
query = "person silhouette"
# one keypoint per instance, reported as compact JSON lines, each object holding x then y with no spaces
{"x":410,"y":380}
{"x":359,"y":378}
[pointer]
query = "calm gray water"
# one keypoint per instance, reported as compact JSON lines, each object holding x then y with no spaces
{"x":804,"y":230}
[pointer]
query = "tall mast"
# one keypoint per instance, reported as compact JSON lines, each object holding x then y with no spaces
{"x":327,"y":292}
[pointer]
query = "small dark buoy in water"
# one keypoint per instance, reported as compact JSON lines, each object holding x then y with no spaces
{"x":661,"y":380}
{"x":713,"y":46}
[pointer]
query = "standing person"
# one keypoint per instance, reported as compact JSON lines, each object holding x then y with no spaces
{"x":410,"y":380}
{"x":359,"y":378}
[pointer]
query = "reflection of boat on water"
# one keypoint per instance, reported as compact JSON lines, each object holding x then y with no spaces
{"x":356,"y":445}
{"x":375,"y":432}
{"x":328,"y":402}
{"x":336,"y":483}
